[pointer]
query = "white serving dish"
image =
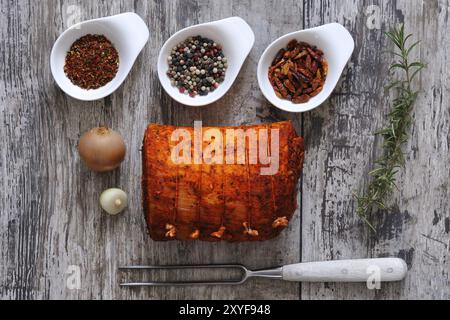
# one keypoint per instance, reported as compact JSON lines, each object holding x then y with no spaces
{"x":336,"y":43}
{"x":236,"y":38}
{"x":127,"y":32}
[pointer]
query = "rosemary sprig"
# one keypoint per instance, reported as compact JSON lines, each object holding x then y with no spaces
{"x":395,"y":134}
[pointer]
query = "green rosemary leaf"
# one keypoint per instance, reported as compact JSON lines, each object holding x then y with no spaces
{"x":406,"y":39}
{"x":395,"y":53}
{"x":397,"y":66}
{"x":411,"y":47}
{"x":374,"y":172}
{"x":394,"y":39}
{"x":416,"y":65}
{"x":395,"y":134}
{"x":414,"y":74}
{"x":396,"y":84}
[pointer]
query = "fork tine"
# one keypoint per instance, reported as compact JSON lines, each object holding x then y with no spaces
{"x":181,"y":283}
{"x":171,"y":267}
{"x":185,"y":283}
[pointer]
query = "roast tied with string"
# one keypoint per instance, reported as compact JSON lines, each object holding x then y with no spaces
{"x":214,"y":184}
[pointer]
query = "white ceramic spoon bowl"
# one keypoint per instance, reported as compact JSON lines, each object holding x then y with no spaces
{"x":127,"y":32}
{"x":336,"y":43}
{"x":236,"y":38}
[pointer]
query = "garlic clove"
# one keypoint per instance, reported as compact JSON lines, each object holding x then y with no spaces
{"x":113,"y":201}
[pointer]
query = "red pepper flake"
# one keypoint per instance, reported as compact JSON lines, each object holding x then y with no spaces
{"x":91,"y":62}
{"x":298,"y":72}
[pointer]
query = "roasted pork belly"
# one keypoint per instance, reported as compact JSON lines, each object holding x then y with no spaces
{"x":209,"y":185}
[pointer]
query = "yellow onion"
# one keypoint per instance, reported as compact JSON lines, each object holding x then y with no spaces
{"x":102,"y":149}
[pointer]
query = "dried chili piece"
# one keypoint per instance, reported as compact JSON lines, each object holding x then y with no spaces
{"x":91,"y":62}
{"x":292,"y":44}
{"x":301,"y":99}
{"x":288,"y":84}
{"x":281,"y":88}
{"x":279,"y":56}
{"x":298,"y":72}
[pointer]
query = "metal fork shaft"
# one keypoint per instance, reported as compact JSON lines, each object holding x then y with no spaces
{"x":179,"y":284}
{"x":276,"y":273}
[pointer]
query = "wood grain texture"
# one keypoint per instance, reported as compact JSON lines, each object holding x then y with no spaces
{"x":340,"y":138}
{"x":50,"y":218}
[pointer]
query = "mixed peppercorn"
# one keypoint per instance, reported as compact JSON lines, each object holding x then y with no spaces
{"x":197,"y":66}
{"x":298,"y":72}
{"x":91,"y":62}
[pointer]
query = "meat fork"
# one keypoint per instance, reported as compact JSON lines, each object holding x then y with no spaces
{"x":361,"y":270}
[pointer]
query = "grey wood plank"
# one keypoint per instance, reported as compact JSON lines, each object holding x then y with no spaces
{"x":50,"y":215}
{"x":237,"y":107}
{"x":342,"y":150}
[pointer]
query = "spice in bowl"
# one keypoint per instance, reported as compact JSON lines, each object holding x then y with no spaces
{"x":92,"y":62}
{"x":197,"y":66}
{"x":298,"y":72}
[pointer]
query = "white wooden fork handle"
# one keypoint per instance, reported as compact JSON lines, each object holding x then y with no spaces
{"x":382,"y":269}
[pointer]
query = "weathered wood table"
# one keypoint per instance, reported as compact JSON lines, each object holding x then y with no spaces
{"x":51,"y":225}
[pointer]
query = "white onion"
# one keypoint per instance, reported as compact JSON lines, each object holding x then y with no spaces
{"x":113,"y":201}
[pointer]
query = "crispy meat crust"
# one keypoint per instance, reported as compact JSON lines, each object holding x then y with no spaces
{"x":215,"y":202}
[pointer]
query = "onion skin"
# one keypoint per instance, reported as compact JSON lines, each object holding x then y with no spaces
{"x":102,"y":149}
